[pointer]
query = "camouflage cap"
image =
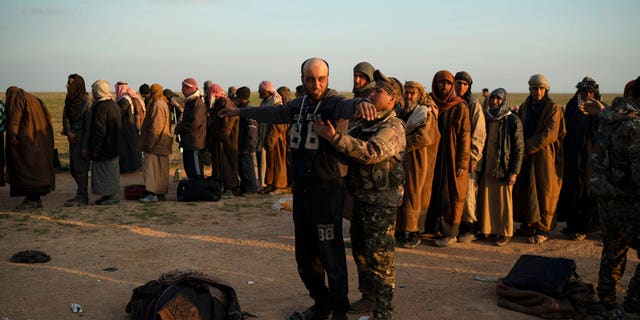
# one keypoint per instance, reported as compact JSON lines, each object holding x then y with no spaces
{"x":391,"y":85}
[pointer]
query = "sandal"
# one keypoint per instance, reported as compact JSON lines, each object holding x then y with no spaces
{"x":538,"y":238}
{"x":307,"y":314}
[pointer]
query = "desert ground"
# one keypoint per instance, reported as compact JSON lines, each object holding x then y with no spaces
{"x":240,"y":240}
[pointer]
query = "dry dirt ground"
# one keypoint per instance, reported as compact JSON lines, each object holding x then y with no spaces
{"x":241,"y":240}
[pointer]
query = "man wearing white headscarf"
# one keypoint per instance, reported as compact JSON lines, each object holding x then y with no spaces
{"x":103,"y":144}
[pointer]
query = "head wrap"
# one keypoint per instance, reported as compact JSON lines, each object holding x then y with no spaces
{"x":589,"y":83}
{"x":423,"y":98}
{"x":627,"y":88}
{"x":215,"y":90}
{"x":15,"y":98}
{"x":391,"y":85}
{"x":100,"y":90}
{"x":134,"y":95}
{"x":121,"y":89}
{"x":635,"y":88}
{"x":75,"y":93}
{"x":451,"y":99}
{"x":190,"y":86}
{"x":243,"y":93}
{"x":155,"y":94}
{"x":18,"y":99}
{"x":500,"y":111}
{"x":206,"y":85}
{"x":540,"y":81}
{"x":464,"y":76}
{"x":144,"y":89}
{"x":366,"y":68}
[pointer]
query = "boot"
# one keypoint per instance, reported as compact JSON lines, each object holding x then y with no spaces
{"x":364,"y":305}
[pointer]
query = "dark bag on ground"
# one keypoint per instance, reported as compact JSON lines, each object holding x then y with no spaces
{"x":546,"y":275}
{"x":199,"y":190}
{"x":184,"y":295}
{"x":544,"y":286}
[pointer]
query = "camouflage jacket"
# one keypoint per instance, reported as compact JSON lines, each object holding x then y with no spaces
{"x":376,"y":150}
{"x":616,"y":154}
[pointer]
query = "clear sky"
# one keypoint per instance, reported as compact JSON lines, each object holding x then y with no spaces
{"x":499,"y":42}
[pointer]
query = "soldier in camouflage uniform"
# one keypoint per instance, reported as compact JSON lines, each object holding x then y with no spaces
{"x":616,"y":181}
{"x":376,"y":177}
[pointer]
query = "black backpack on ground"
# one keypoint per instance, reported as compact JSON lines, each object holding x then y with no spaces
{"x":206,"y":189}
{"x":547,"y":275}
{"x":185,"y":295}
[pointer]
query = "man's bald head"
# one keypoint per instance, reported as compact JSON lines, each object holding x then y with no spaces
{"x":315,"y":77}
{"x":313,"y":62}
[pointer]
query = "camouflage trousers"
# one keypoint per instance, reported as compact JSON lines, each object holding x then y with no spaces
{"x":620,"y":221}
{"x":372,"y":230}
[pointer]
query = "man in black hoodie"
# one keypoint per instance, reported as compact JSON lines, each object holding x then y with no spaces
{"x":318,"y":171}
{"x":103,"y":144}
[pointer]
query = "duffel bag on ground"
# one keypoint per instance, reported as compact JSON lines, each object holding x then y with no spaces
{"x":199,"y":190}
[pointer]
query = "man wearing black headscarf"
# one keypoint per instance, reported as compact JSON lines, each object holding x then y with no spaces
{"x":576,"y":204}
{"x":76,"y":123}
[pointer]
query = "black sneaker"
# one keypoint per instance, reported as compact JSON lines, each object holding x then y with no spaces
{"x":27,"y":205}
{"x":413,"y":240}
{"x":107,"y":200}
{"x":467,"y":237}
{"x":400,"y":237}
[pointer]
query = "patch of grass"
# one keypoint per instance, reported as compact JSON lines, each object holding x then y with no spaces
{"x":4,"y":216}
{"x":156,"y":213}
{"x":67,"y":225}
{"x":23,"y":218}
{"x":60,"y":215}
{"x":41,"y":231}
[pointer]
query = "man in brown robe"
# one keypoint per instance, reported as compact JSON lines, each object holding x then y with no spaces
{"x":451,"y":176}
{"x":537,"y":189}
{"x":29,"y":148}
{"x":420,"y":115}
{"x":275,"y":144}
{"x":155,"y":141}
{"x":222,"y":136}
